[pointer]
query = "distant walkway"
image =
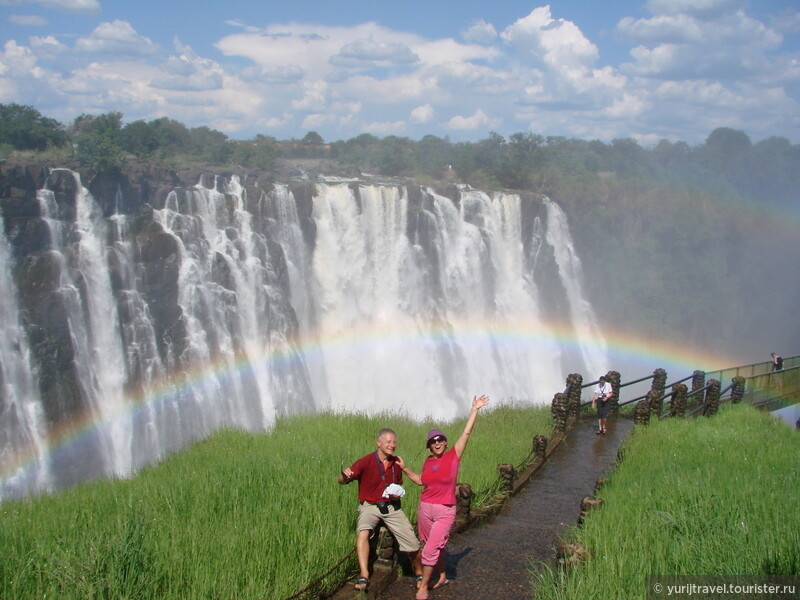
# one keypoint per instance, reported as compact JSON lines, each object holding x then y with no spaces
{"x":492,"y":560}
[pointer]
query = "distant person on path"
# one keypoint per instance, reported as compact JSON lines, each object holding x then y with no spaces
{"x":777,"y":362}
{"x":602,"y":399}
{"x":437,"y":503}
{"x":379,"y":475}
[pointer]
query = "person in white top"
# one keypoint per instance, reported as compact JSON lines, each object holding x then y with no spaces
{"x":602,"y":399}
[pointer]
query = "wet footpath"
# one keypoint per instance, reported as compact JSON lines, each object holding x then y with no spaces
{"x":493,"y":560}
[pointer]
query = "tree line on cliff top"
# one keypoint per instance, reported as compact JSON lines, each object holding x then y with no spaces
{"x":666,"y":246}
{"x":727,"y":162}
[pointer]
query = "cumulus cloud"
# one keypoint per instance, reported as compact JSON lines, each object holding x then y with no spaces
{"x":698,"y":8}
{"x":385,"y":128}
{"x":370,"y":51}
{"x":117,"y":37}
{"x":74,"y":6}
{"x":682,"y":46}
{"x":27,"y":20}
{"x":478,"y":120}
{"x":480,"y":32}
{"x":422,"y":114}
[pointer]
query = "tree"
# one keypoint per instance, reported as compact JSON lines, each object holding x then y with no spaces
{"x":24,"y":128}
{"x":312,"y":138}
{"x":98,"y":141}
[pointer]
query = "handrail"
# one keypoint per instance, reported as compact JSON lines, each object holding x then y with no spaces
{"x":641,"y":379}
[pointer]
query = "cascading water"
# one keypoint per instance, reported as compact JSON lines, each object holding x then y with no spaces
{"x":214,"y":309}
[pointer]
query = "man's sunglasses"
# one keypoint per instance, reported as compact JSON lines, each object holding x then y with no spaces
{"x":437,"y":440}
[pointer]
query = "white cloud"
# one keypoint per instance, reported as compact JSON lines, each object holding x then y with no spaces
{"x":27,"y":20}
{"x":478,"y":120}
{"x":385,"y":128}
{"x":699,"y":8}
{"x":370,"y":51}
{"x":684,"y":47}
{"x":74,"y":6}
{"x":480,"y":32}
{"x":422,"y":114}
{"x":117,"y":37}
{"x":556,"y":43}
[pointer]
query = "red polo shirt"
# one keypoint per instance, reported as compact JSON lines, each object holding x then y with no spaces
{"x":371,"y":482}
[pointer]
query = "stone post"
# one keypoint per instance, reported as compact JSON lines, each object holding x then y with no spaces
{"x":559,"y":410}
{"x":641,"y":415}
{"x":737,"y":391}
{"x":655,"y":400}
{"x":678,"y":405}
{"x":574,"y":383}
{"x":659,"y":381}
{"x":698,"y":380}
{"x":712,"y":398}
{"x":463,"y":503}
{"x":540,"y":446}
{"x":614,"y":378}
{"x":507,"y":475}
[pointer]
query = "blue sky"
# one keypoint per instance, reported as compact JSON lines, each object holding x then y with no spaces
{"x":646,"y":69}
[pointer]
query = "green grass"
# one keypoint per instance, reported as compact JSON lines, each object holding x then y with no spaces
{"x":691,"y":497}
{"x":235,"y":516}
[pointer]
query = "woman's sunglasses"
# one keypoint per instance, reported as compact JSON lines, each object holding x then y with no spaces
{"x":437,"y":440}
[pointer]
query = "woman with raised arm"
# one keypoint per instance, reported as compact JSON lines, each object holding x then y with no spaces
{"x":436,"y":513}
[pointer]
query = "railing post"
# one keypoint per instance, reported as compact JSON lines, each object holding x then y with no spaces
{"x":712,"y":398}
{"x":560,"y":411}
{"x":698,"y":380}
{"x":678,"y":404}
{"x":614,"y":378}
{"x":659,"y":381}
{"x":574,"y":383}
{"x":641,"y":415}
{"x":540,"y":446}
{"x":507,"y":476}
{"x":463,"y":503}
{"x":655,"y":400}
{"x":737,"y":391}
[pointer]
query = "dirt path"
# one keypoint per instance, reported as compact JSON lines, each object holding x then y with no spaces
{"x":492,"y":561}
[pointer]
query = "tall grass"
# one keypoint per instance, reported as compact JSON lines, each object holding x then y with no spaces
{"x":691,"y":497}
{"x":235,"y":516}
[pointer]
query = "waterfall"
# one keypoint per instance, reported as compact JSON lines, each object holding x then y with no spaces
{"x":591,"y":341}
{"x":24,"y":463}
{"x":228,"y":305}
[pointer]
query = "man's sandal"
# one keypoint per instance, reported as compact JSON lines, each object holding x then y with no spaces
{"x":361,"y":584}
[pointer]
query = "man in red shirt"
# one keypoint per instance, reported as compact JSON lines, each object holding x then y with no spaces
{"x":374,"y":473}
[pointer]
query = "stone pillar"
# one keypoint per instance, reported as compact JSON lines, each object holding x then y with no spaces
{"x":507,"y":476}
{"x":678,"y":405}
{"x":641,"y":415}
{"x":540,"y":446}
{"x":737,"y":391}
{"x":560,"y":411}
{"x":659,"y":381}
{"x":574,"y":383}
{"x":698,"y":380}
{"x":385,"y":547}
{"x":712,"y":398}
{"x":614,"y":378}
{"x":463,"y":503}
{"x":655,"y":400}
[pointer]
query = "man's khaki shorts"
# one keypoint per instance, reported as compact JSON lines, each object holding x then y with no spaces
{"x":369,"y":517}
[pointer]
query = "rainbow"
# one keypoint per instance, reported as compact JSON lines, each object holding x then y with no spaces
{"x":645,"y":354}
